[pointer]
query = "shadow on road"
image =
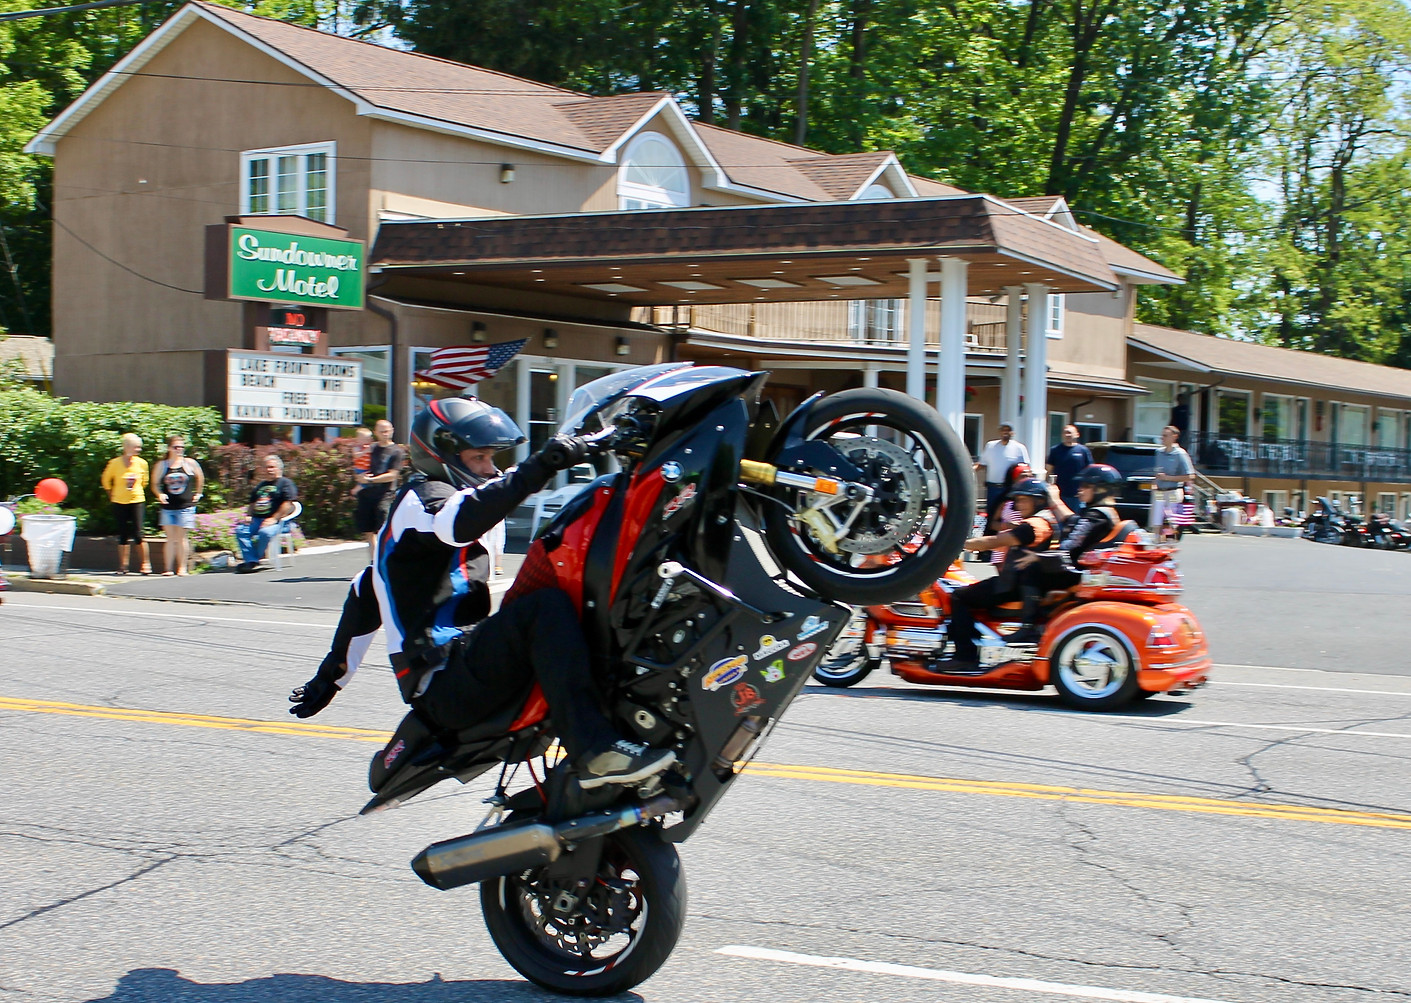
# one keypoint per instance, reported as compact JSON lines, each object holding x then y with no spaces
{"x":1153,"y":708}
{"x":163,"y":985}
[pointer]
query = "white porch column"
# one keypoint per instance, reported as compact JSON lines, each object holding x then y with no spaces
{"x":916,"y":328}
{"x":950,"y":376}
{"x":1034,"y":429}
{"x":1013,"y":348}
{"x":563,"y":392}
{"x":870,"y":373}
{"x":521,"y":404}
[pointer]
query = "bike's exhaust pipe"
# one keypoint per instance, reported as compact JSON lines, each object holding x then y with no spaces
{"x":505,"y":849}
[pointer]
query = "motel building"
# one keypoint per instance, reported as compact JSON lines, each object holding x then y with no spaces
{"x":284,"y":224}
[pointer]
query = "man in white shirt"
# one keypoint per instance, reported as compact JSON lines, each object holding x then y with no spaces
{"x":998,"y":458}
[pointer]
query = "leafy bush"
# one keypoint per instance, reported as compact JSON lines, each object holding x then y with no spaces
{"x":322,"y":471}
{"x":45,"y":436}
{"x":216,"y":530}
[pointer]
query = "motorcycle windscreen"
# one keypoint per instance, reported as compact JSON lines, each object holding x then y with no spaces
{"x":597,"y":394}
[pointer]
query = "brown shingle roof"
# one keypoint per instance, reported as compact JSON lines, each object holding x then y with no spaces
{"x":1120,"y":256}
{"x":34,"y":354}
{"x":840,"y":176}
{"x":1245,"y":358}
{"x":604,"y":120}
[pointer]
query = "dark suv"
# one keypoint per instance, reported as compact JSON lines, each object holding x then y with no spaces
{"x":1135,"y":461}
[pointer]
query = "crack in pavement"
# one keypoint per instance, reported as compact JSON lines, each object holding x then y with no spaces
{"x":140,"y":872}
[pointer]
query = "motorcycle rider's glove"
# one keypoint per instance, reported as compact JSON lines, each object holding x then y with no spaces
{"x":318,"y":692}
{"x":563,"y":451}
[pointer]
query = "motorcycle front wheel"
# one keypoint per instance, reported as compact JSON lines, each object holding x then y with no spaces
{"x":920,"y":513}
{"x":597,"y":941}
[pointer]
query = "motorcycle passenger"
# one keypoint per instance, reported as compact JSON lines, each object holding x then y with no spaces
{"x":1091,"y":528}
{"x":1032,"y":534}
{"x":429,"y":580}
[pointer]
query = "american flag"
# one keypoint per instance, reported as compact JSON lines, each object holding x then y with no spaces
{"x":465,"y":365}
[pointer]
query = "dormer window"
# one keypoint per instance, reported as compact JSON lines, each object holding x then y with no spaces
{"x":653,"y":175}
{"x":293,"y":180}
{"x":876,"y":192}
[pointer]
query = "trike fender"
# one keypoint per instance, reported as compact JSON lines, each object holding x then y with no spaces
{"x":1129,"y":621}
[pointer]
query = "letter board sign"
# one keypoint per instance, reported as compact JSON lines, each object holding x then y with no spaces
{"x":273,"y":388}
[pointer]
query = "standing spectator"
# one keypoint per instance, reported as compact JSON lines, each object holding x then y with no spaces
{"x":362,"y":456}
{"x":1065,"y":461}
{"x":998,"y":458}
{"x":271,"y":501}
{"x":125,"y":480}
{"x":178,"y":482}
{"x":377,"y":483}
{"x":1174,"y":471}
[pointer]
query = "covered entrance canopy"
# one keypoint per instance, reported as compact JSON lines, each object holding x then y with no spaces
{"x":888,"y":249}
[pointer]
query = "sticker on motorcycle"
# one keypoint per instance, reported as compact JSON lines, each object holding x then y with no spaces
{"x":392,"y":754}
{"x":679,"y":502}
{"x":774,"y":672}
{"x":723,"y":673}
{"x":745,"y":698}
{"x":812,"y":625}
{"x":770,"y":645}
{"x":802,"y":651}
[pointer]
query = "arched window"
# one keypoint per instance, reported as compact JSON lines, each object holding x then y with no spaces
{"x":653,"y":175}
{"x":876,"y":192}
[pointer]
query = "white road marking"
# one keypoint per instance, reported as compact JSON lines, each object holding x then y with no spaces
{"x":1320,"y":689}
{"x":958,"y":978}
{"x":170,"y":616}
{"x":1195,"y":722}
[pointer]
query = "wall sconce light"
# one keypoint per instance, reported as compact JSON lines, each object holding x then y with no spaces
{"x":623,"y":347}
{"x":477,"y":330}
{"x":551,"y":338}
{"x":506,"y":173}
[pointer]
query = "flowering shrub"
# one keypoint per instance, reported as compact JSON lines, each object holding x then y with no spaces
{"x":216,"y":530}
{"x":322,"y":471}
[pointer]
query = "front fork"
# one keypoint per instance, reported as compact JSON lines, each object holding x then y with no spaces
{"x":823,"y":494}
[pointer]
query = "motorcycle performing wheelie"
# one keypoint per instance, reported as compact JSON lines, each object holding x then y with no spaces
{"x":709,"y":571}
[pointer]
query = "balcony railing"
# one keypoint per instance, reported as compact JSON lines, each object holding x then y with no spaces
{"x":1243,"y":456}
{"x":829,"y":322}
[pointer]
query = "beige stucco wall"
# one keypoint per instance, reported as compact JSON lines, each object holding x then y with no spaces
{"x":135,"y":184}
{"x":1095,"y":334}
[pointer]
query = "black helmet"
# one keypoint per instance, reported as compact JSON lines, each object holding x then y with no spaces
{"x":1105,"y":481}
{"x":1031,"y":488}
{"x":451,"y":425}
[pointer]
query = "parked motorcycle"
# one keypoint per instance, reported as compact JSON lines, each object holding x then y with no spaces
{"x":678,"y":561}
{"x":1329,"y":524}
{"x":1385,"y":533}
{"x":1117,"y":636}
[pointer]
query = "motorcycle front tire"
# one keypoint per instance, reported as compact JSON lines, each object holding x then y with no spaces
{"x":661,"y":885}
{"x":906,"y":578}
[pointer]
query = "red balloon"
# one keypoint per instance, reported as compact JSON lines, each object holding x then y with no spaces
{"x":51,"y":490}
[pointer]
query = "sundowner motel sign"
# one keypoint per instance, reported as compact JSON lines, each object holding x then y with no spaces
{"x":294,"y":268}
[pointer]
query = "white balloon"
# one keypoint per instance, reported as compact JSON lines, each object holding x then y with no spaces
{"x":7,"y":520}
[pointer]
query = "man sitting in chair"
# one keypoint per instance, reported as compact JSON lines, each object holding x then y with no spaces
{"x":271,"y":502}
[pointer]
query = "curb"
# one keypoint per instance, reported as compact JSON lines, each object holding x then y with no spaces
{"x":56,"y":586}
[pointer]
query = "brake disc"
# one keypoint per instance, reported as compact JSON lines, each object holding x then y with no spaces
{"x":898,"y":486}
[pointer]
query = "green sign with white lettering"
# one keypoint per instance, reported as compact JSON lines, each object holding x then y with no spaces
{"x":284,"y":268}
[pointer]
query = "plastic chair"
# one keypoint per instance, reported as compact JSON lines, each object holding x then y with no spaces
{"x":284,"y":540}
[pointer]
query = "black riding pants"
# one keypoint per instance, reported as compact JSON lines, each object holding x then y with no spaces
{"x":982,"y":595}
{"x":537,"y":636}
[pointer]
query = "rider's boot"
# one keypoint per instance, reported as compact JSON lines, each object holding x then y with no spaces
{"x":622,"y":762}
{"x":1029,"y":632}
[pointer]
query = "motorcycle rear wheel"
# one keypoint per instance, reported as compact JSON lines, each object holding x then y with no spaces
{"x":1093,"y":669}
{"x":638,"y":908}
{"x":900,"y":444}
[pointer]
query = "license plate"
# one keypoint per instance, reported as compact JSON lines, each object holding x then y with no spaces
{"x":1148,"y":486}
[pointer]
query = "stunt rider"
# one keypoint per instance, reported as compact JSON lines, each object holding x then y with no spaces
{"x":1032,"y":534}
{"x":428,"y":581}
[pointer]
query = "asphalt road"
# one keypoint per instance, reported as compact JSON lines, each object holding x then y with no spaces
{"x":167,"y":832}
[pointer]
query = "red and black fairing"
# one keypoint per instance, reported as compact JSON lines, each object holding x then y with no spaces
{"x":704,"y":672}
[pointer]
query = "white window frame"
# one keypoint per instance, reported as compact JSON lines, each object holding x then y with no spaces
{"x":1137,"y":403}
{"x":1404,"y":512}
{"x":1056,"y":314}
{"x":1386,"y":503}
{"x":876,"y":191}
{"x":650,"y":196}
{"x":1398,"y":420}
{"x":303,"y":152}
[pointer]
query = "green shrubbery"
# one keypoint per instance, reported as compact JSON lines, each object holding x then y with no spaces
{"x":44,"y":436}
{"x":322,"y":471}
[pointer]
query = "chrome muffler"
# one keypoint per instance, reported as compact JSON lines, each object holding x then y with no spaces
{"x":510,"y":847}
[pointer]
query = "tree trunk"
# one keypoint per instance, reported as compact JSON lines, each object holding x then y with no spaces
{"x":805,"y":57}
{"x":739,"y":48}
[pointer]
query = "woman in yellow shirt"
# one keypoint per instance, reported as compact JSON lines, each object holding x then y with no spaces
{"x":125,"y":480}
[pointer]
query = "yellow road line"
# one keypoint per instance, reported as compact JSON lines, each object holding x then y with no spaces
{"x":784,"y":771}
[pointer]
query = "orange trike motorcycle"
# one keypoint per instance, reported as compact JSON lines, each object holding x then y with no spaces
{"x":1115,"y":637}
